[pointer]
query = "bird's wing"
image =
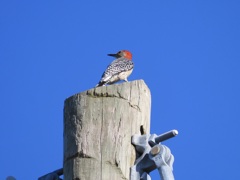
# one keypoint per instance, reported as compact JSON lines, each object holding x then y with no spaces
{"x":116,"y":67}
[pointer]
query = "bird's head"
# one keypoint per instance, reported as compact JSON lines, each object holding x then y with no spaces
{"x":123,"y":53}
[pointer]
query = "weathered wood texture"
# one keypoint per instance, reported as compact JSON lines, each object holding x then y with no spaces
{"x":98,"y":125}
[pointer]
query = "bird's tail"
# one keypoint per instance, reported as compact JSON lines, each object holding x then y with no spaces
{"x":101,"y":83}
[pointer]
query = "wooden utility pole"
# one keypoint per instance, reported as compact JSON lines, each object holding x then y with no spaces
{"x":98,"y":125}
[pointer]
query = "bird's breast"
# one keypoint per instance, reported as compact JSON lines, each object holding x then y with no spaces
{"x":125,"y":74}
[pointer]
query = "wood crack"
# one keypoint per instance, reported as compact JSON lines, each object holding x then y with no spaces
{"x":107,"y":95}
{"x":118,"y":169}
{"x":79,"y":155}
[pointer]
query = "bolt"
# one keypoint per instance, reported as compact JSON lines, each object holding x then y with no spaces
{"x":155,"y":150}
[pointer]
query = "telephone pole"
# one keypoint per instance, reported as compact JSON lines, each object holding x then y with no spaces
{"x":98,"y":126}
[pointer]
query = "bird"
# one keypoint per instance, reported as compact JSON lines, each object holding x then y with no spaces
{"x":119,"y":69}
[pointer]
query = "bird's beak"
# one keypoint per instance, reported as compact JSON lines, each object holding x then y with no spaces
{"x":114,"y":55}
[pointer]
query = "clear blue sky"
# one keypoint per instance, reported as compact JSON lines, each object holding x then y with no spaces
{"x":187,"y":52}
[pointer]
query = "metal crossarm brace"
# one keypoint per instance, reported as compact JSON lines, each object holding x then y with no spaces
{"x":53,"y":175}
{"x":152,"y":155}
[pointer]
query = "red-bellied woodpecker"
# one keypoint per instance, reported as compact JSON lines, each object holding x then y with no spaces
{"x":119,"y":69}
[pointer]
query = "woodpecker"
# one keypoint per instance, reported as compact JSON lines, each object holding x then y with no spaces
{"x":119,"y":69}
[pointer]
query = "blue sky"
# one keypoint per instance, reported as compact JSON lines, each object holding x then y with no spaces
{"x":186,"y":51}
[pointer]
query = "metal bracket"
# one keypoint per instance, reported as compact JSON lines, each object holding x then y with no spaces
{"x":151,"y":155}
{"x":53,"y":175}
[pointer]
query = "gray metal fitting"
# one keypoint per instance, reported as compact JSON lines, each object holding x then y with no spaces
{"x":53,"y":175}
{"x":151,"y":155}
